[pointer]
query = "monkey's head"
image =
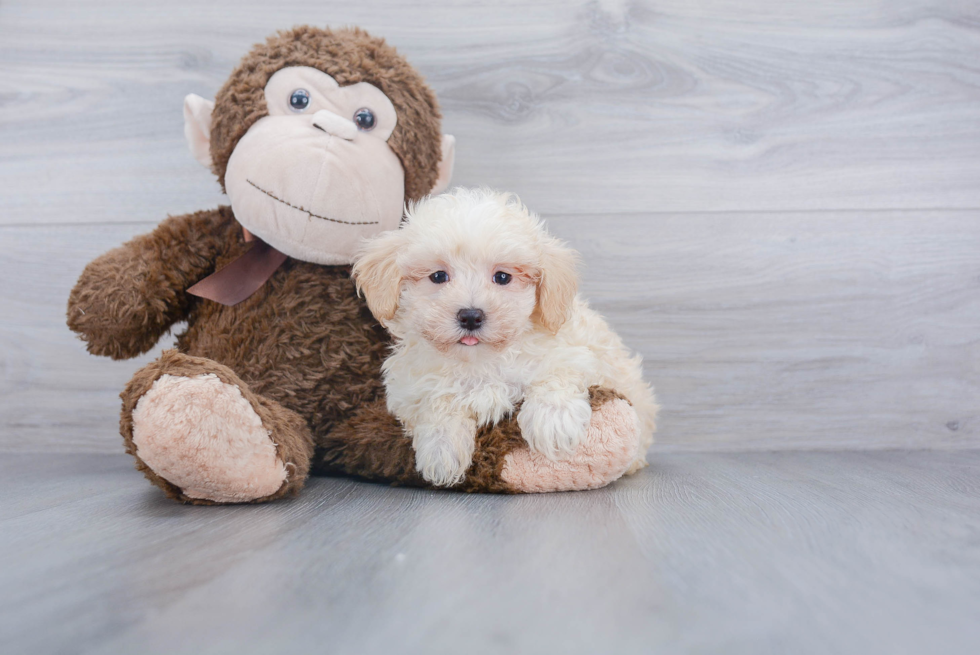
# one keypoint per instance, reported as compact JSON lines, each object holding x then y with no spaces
{"x":319,"y":137}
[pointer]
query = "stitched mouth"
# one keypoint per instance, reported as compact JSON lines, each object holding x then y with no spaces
{"x":307,"y":211}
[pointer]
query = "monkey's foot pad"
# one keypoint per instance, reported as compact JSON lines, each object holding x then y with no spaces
{"x":203,"y":436}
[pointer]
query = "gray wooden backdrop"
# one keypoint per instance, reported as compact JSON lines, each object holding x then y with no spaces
{"x":778,"y":202}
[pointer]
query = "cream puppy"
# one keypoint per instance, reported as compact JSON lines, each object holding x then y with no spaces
{"x":482,"y":305}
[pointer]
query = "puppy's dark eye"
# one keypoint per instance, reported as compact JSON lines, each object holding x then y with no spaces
{"x":364,"y":119}
{"x":299,"y":100}
{"x":502,"y":278}
{"x":439,"y":277}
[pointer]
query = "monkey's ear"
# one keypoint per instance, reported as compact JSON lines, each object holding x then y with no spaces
{"x":557,"y":284}
{"x":377,"y":275}
{"x":445,"y":164}
{"x":197,"y":127}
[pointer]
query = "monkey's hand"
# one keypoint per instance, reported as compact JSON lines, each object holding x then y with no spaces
{"x":129,"y":297}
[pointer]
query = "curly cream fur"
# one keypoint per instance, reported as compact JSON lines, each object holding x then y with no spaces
{"x":540,"y":346}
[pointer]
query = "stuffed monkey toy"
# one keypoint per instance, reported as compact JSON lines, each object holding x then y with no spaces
{"x":318,"y":138}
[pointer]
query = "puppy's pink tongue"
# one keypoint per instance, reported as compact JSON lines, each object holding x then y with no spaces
{"x":469,"y":341}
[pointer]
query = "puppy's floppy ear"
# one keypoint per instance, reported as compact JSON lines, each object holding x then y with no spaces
{"x":377,"y":275}
{"x":557,"y":284}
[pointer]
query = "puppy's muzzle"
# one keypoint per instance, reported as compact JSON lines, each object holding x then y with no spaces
{"x":470,"y":319}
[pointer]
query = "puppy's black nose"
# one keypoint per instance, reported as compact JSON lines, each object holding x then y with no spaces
{"x":470,"y":319}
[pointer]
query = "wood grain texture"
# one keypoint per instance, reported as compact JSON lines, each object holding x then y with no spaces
{"x":808,"y":330}
{"x":579,"y":106}
{"x":694,"y":152}
{"x":710,"y":553}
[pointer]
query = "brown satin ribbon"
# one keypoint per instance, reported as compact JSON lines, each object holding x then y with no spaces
{"x":242,"y":277}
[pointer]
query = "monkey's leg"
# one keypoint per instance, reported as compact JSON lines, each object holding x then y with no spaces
{"x":199,"y":433}
{"x":372,"y":445}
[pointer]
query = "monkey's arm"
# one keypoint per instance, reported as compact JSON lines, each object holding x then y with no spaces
{"x":126,"y":299}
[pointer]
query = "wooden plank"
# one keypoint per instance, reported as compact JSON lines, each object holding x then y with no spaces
{"x":784,"y":330}
{"x":581,"y":106}
{"x":735,"y":553}
{"x":797,"y":330}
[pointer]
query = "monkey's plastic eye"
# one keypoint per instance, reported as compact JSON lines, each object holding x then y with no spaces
{"x":364,"y":118}
{"x":299,"y":100}
{"x":439,"y":277}
{"x":502,"y":278}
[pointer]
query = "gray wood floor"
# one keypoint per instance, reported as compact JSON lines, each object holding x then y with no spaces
{"x":777,"y":205}
{"x":792,"y":552}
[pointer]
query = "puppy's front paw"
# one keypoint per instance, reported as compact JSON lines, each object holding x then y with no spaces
{"x":554,"y":426}
{"x":443,"y":454}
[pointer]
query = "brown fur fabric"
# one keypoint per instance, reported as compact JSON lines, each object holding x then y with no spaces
{"x":350,"y":56}
{"x":294,"y":444}
{"x":129,"y":297}
{"x":304,"y":341}
{"x":599,"y":396}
